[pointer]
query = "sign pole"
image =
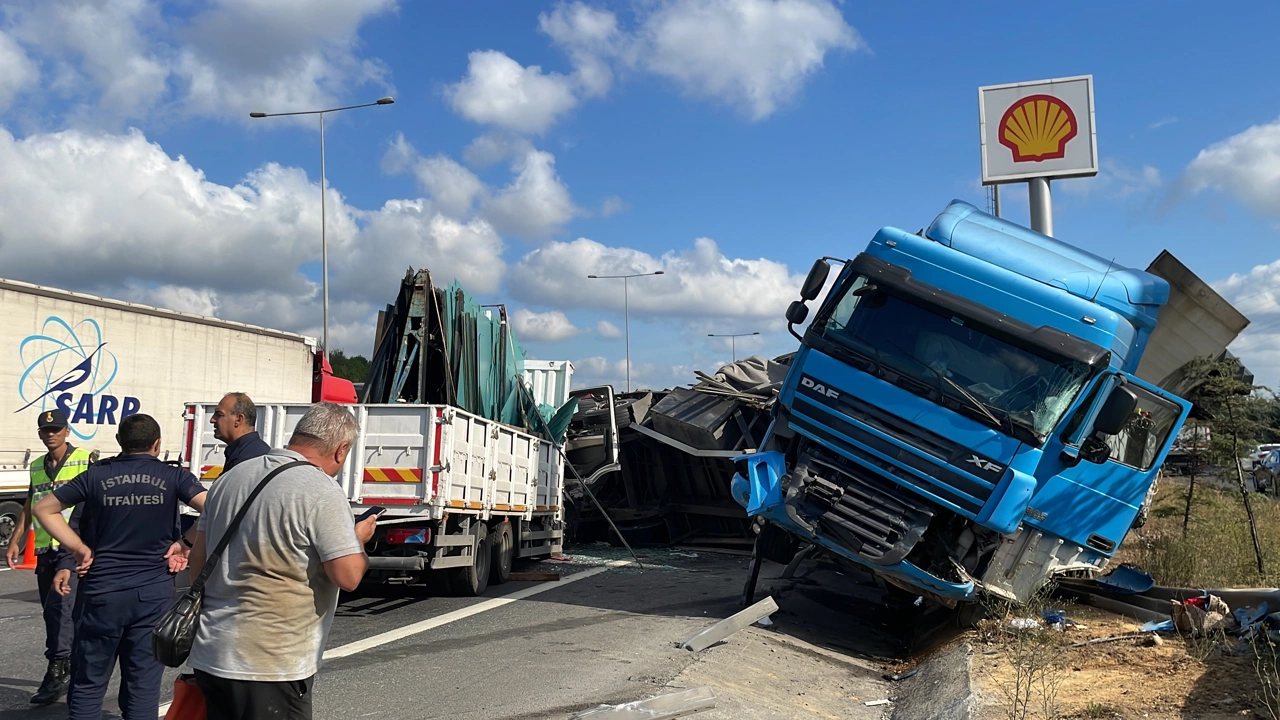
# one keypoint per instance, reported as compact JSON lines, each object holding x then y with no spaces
{"x":1041,"y":205}
{"x":995,"y":198}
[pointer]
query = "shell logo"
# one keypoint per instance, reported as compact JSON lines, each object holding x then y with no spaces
{"x":1038,"y":127}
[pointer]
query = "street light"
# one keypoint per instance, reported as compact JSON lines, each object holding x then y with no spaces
{"x":626,"y":309}
{"x":324,"y":246}
{"x":733,"y":341}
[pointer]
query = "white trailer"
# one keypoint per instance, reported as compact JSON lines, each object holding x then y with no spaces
{"x":102,"y":360}
{"x":464,"y":494}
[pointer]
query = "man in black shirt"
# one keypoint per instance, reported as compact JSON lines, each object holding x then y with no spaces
{"x":122,"y":551}
{"x":233,"y":422}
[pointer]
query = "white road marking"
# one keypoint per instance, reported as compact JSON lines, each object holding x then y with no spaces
{"x":5,"y":568}
{"x":420,"y":627}
{"x":430,"y":624}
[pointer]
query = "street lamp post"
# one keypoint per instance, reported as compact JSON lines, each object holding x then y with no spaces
{"x":733,"y":341}
{"x":626,"y":310}
{"x":324,"y":245}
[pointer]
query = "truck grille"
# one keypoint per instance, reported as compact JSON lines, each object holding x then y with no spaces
{"x":965,"y":493}
{"x":878,"y":519}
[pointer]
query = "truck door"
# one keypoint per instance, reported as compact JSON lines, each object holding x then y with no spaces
{"x":1091,"y":484}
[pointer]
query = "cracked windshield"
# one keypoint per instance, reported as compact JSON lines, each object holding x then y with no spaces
{"x":999,"y":379}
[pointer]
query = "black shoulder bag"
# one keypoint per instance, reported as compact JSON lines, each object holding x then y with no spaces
{"x":174,"y":633}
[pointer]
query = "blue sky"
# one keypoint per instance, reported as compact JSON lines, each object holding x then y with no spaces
{"x":727,"y":142}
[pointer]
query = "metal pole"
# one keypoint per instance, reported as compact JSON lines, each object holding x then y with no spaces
{"x":324,"y":246}
{"x":733,"y":345}
{"x":626,"y":321}
{"x":995,"y":197}
{"x":1041,"y":206}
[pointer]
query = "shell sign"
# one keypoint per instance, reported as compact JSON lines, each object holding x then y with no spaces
{"x":1039,"y":129}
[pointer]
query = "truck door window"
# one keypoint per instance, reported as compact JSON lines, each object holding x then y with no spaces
{"x":1146,"y":432}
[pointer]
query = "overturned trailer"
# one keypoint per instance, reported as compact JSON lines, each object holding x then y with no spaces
{"x":660,"y":463}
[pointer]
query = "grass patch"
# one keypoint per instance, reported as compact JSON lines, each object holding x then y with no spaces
{"x":1217,"y":550}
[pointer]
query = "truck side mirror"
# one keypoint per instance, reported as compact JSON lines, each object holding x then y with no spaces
{"x":1116,"y":411}
{"x":797,"y":311}
{"x":813,"y":282}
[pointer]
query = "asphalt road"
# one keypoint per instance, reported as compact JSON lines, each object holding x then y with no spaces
{"x":601,"y":635}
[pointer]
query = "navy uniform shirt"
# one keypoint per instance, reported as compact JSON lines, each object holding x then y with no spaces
{"x":243,"y":448}
{"x":129,"y":505}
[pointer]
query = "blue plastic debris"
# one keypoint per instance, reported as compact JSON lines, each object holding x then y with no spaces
{"x":1160,"y":627}
{"x":1057,"y":620}
{"x":1127,"y":579}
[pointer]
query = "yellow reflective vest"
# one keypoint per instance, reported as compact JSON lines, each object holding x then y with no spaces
{"x":77,"y":461}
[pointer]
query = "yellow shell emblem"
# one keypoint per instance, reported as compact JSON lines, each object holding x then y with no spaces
{"x":1038,"y":127}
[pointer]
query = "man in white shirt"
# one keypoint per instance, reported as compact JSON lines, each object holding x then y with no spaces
{"x":269,"y":603}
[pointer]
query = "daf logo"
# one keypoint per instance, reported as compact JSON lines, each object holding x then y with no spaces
{"x":983,"y":464}
{"x":819,"y":388}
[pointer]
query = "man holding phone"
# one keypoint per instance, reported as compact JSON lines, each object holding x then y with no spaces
{"x":270,"y":601}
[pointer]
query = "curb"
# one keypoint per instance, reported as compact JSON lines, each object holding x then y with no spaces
{"x":941,"y":690}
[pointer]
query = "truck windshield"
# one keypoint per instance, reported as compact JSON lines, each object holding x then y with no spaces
{"x":1004,"y":381}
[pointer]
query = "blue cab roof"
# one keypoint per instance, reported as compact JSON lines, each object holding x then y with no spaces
{"x":1133,"y":294}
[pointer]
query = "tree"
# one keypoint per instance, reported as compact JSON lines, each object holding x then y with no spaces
{"x":1238,"y":412}
{"x":354,"y":368}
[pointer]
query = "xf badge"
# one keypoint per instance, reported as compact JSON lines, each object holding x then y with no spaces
{"x":983,"y":464}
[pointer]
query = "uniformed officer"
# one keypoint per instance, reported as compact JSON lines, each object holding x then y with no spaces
{"x":62,"y":462}
{"x":122,"y":554}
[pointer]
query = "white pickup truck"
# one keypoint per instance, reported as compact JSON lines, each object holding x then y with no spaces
{"x":465,"y":496}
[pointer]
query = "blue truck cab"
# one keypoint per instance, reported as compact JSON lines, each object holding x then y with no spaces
{"x":962,"y":415}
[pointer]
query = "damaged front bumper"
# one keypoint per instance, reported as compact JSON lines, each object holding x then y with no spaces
{"x":762,"y":493}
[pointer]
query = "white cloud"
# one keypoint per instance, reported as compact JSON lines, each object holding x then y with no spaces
{"x":1167,"y":120}
{"x":1115,"y":180}
{"x":612,"y":205}
{"x":493,"y":148}
{"x":453,"y":187}
{"x":598,"y":370}
{"x":535,"y":203}
{"x":125,"y":59}
{"x":499,"y":91}
{"x":147,"y":226}
{"x":17,"y":71}
{"x":590,"y":36}
{"x":699,"y":282}
{"x":753,"y":54}
{"x":1246,"y":165}
{"x":608,"y":330}
{"x":550,"y":326}
{"x":1256,"y":294}
{"x":100,"y":49}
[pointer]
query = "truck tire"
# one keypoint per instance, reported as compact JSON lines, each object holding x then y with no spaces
{"x":9,"y":512}
{"x":503,"y":553}
{"x":472,"y":581}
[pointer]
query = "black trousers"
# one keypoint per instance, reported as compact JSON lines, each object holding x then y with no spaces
{"x":58,"y":625}
{"x":249,"y":700}
{"x":111,"y":627}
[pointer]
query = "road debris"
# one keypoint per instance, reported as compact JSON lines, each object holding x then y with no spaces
{"x":876,"y":703}
{"x":657,"y":708}
{"x":730,"y":625}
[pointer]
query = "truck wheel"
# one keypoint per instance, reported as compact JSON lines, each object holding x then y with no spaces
{"x":9,"y":512}
{"x":503,"y":553}
{"x":471,"y":581}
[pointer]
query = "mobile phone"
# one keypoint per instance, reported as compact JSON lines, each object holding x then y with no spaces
{"x":375,"y":510}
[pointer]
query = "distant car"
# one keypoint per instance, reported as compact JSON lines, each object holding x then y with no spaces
{"x":1255,"y":456}
{"x":1266,"y":472}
